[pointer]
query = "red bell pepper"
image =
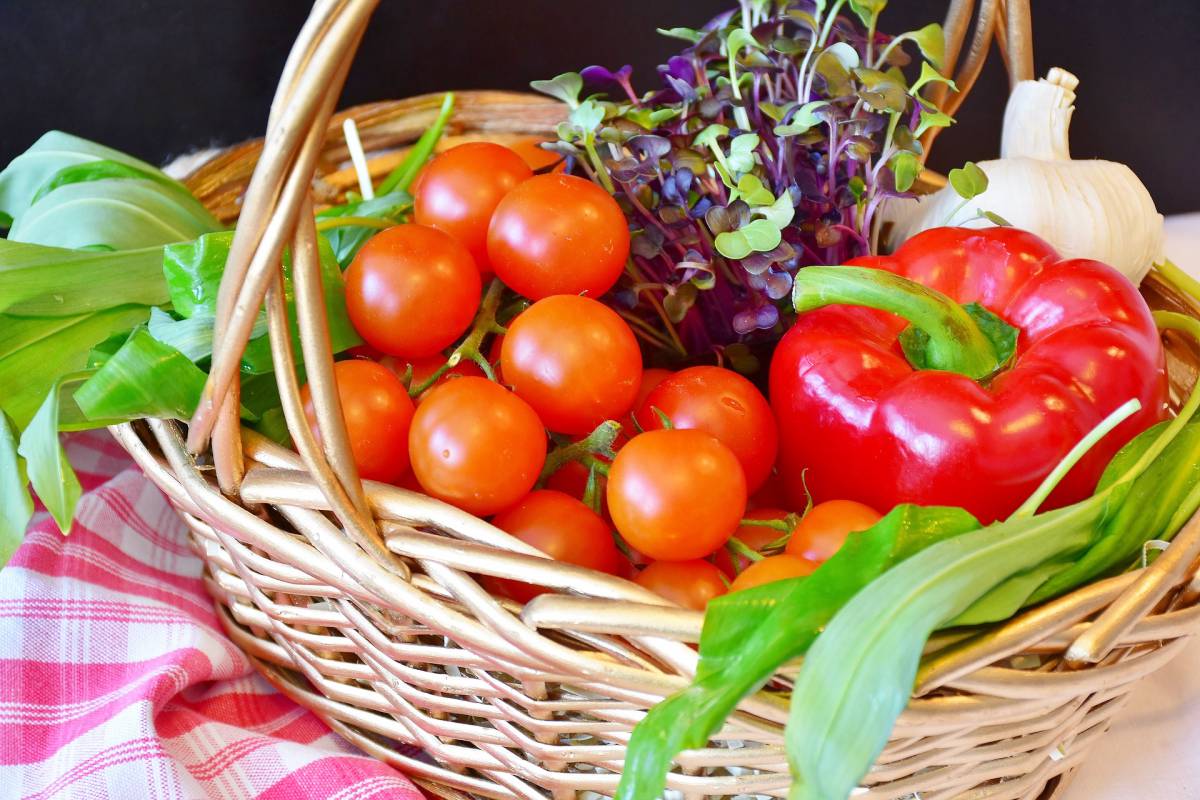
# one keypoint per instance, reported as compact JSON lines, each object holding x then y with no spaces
{"x":965,"y":427}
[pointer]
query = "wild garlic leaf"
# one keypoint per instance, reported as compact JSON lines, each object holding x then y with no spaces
{"x":16,"y":506}
{"x":969,"y":181}
{"x":565,"y":87}
{"x":347,"y":239}
{"x":41,"y":281}
{"x":50,"y":474}
{"x":108,"y":168}
{"x":145,"y":378}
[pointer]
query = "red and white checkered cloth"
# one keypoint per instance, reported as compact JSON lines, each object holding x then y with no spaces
{"x":116,"y":680}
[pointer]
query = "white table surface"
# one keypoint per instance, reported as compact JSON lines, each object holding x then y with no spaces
{"x":1153,"y":749}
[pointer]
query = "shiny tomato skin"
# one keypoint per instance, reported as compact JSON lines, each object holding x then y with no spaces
{"x":574,"y":360}
{"x":378,"y":414}
{"x":476,"y":445}
{"x":460,"y":189}
{"x":690,"y":584}
{"x":753,"y":536}
{"x":771,"y":569}
{"x":723,"y":404}
{"x":825,"y":527}
{"x":558,"y":234}
{"x":412,"y":290}
{"x":675,"y":495}
{"x":562,"y":528}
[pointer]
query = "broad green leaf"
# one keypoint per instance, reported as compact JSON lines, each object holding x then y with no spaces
{"x":26,"y":375}
{"x":145,"y":378}
{"x":969,"y":181}
{"x":28,"y":172}
{"x":401,"y":178}
{"x":107,"y":168}
{"x":565,"y":87}
{"x":50,"y":281}
{"x":858,"y":675}
{"x":120,"y":213}
{"x":52,"y":478}
{"x":932,"y":42}
{"x":16,"y":506}
{"x":929,"y":74}
{"x":905,"y":167}
{"x":346,"y":240}
{"x":19,"y":332}
{"x":686,"y":34}
{"x":747,"y":635}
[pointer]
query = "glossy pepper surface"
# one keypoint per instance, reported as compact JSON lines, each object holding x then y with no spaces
{"x":967,"y":427}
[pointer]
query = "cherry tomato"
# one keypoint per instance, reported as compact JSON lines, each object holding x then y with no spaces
{"x":460,"y":189}
{"x":676,"y":495}
{"x":772,"y":494}
{"x":723,"y":404}
{"x":562,"y":528}
{"x":690,"y":584}
{"x":558,"y":234}
{"x":753,"y":536}
{"x":826,"y":525}
{"x":423,"y":369}
{"x":476,"y":445}
{"x":378,"y":414}
{"x":574,"y":360}
{"x":411,"y":291}
{"x":650,"y":378}
{"x":537,"y":157}
{"x":771,"y":569}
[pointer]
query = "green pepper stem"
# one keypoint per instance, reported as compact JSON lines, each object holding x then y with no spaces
{"x":956,"y":343}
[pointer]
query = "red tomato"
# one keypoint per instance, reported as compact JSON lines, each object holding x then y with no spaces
{"x":753,"y":536}
{"x":378,"y":413}
{"x":558,"y":234}
{"x":651,"y":378}
{"x":676,"y":495}
{"x":826,"y":525}
{"x":562,"y":528}
{"x":771,"y":569}
{"x":723,"y":404}
{"x":476,"y":445}
{"x":411,"y":291}
{"x":536,"y":156}
{"x":423,"y":368}
{"x":772,"y":494}
{"x":574,"y":360}
{"x":460,"y":189}
{"x":690,"y":584}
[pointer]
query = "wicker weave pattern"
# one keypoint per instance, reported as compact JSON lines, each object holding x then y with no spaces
{"x":359,"y":600}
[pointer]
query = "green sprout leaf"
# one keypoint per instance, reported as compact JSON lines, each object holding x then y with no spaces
{"x":780,"y":212}
{"x":709,"y":136}
{"x":52,"y":477}
{"x":931,"y":117}
{"x":867,"y":10}
{"x":803,"y":120}
{"x":880,"y":91}
{"x":995,"y":219}
{"x":858,"y":188}
{"x":587,"y":116}
{"x":757,"y":236}
{"x":16,"y":506}
{"x":906,"y":167}
{"x":929,"y":74}
{"x":932,"y":42}
{"x":565,"y":87}
{"x":741,"y":152}
{"x":690,"y":35}
{"x":969,"y":181}
{"x":750,"y":189}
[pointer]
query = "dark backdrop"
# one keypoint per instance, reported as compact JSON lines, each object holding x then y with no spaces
{"x":160,"y":77}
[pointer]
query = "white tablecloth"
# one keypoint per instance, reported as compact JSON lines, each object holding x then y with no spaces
{"x":1153,"y":749}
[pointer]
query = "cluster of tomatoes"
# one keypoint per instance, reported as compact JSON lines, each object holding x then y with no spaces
{"x":434,"y":411}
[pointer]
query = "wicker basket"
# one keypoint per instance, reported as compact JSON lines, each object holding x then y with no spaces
{"x":358,"y":599}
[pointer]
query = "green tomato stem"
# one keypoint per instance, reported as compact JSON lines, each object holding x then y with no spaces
{"x":956,"y":344}
{"x":740,"y":548}
{"x":597,"y":443}
{"x":485,"y":321}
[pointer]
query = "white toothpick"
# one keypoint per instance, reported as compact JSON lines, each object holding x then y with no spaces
{"x":359,"y":159}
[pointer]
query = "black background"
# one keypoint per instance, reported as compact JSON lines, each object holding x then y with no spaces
{"x":160,"y":78}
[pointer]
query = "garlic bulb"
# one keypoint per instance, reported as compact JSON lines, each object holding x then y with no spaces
{"x":1085,"y":209}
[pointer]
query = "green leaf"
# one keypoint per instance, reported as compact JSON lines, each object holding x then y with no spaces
{"x":843,"y":53}
{"x":747,"y":635}
{"x":969,"y":181}
{"x":651,"y":118}
{"x":686,"y":34}
{"x":193,"y":272}
{"x":858,"y":676}
{"x":857,"y":187}
{"x":906,"y":167}
{"x":346,"y":240}
{"x":54,"y":151}
{"x":733,"y":244}
{"x":995,"y":219}
{"x":679,"y":302}
{"x":709,"y":136}
{"x":121,"y":213}
{"x":750,"y":189}
{"x":587,"y":116}
{"x":803,"y":120}
{"x":773,"y":111}
{"x":145,"y":378}
{"x":401,"y":178}
{"x":739,"y":39}
{"x":107,"y":168}
{"x":19,"y":332}
{"x":780,"y":212}
{"x":741,"y":152}
{"x":880,"y":91}
{"x":53,"y":479}
{"x":565,"y":87}
{"x":760,"y":235}
{"x":931,"y":117}
{"x":27,"y":374}
{"x":16,"y":506}
{"x":867,"y":10}
{"x":929,"y":74}
{"x":50,"y":282}
{"x":932,"y":42}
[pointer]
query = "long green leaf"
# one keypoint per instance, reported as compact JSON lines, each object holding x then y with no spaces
{"x":145,"y":378}
{"x":55,"y":150}
{"x":49,"y":472}
{"x":16,"y":506}
{"x":27,"y":374}
{"x":19,"y":332}
{"x":119,"y":213}
{"x":406,"y":171}
{"x":40,"y":281}
{"x":108,"y":168}
{"x":347,"y":239}
{"x":748,"y":634}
